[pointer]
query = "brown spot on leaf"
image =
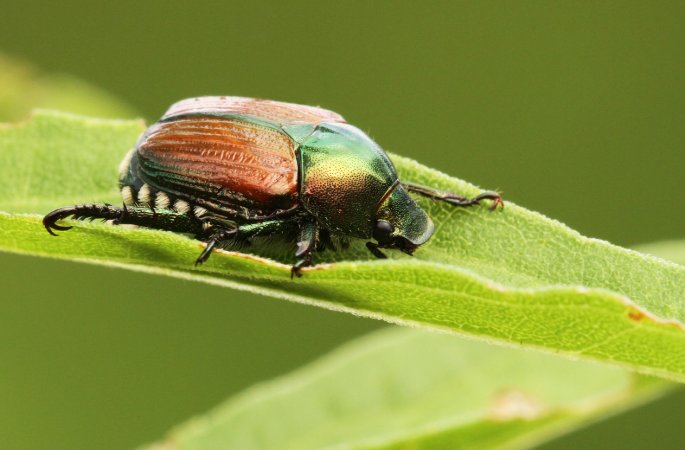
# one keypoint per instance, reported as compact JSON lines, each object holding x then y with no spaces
{"x":636,"y":315}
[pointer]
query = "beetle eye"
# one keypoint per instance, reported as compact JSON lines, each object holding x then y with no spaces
{"x":383,"y":231}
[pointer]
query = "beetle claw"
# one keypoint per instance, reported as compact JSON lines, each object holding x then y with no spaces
{"x":496,"y":203}
{"x":203,"y":256}
{"x":495,"y":197}
{"x":49,"y":221}
{"x":295,"y":271}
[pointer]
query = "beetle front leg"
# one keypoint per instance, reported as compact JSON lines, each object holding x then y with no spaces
{"x":306,"y":246}
{"x":454,"y":199}
{"x":375,"y":250}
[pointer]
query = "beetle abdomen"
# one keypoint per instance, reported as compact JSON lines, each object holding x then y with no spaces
{"x":135,"y":192}
{"x":228,"y":165}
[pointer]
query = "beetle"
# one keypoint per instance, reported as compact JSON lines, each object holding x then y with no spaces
{"x":232,"y":168}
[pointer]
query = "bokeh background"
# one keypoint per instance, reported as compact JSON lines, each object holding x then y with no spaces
{"x":574,"y":109}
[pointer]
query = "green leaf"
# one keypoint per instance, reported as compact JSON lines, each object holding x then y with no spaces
{"x":23,"y":88}
{"x":511,"y":276}
{"x":402,"y":388}
{"x":410,"y":389}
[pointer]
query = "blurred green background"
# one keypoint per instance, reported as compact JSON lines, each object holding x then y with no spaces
{"x":574,"y":109}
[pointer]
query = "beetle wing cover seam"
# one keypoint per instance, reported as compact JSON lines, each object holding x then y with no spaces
{"x":280,"y":113}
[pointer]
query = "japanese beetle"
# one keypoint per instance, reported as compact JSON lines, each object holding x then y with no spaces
{"x":228,"y":168}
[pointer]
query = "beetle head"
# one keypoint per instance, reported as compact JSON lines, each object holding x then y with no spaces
{"x":400,"y":222}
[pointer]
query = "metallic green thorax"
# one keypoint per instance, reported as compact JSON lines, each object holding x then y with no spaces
{"x":347,"y":182}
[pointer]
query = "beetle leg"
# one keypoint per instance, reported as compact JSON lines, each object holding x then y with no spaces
{"x":222,"y":230}
{"x":375,"y":249}
{"x":454,"y":199}
{"x":306,"y":246}
{"x":219,"y":236}
{"x":161,"y":220}
{"x":325,"y":241}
